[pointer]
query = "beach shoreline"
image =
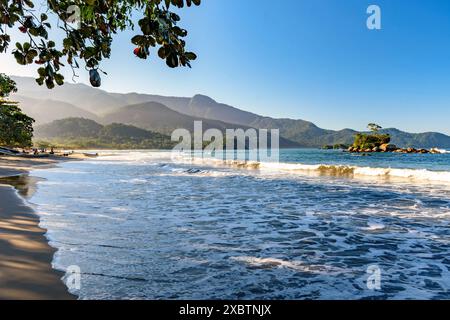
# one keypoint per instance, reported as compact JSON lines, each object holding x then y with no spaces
{"x":26,"y":271}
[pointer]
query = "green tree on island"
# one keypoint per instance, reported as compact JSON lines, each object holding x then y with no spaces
{"x":88,"y":28}
{"x":370,"y":142}
{"x":374,"y":127}
{"x":16,"y":128}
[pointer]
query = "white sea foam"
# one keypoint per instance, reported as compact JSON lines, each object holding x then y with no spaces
{"x":441,"y":150}
{"x":133,"y":156}
{"x":411,"y":174}
{"x":417,"y":175}
{"x":371,"y":226}
{"x":108,"y":221}
{"x":324,"y":169}
{"x":134,"y":181}
{"x":293,"y":265}
{"x":414,"y":174}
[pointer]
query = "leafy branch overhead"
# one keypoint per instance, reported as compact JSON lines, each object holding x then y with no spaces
{"x":88,"y":28}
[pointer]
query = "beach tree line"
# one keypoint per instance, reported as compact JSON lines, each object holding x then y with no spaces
{"x":88,"y":29}
{"x":16,"y":128}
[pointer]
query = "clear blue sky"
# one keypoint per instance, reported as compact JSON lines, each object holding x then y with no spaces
{"x":306,"y":59}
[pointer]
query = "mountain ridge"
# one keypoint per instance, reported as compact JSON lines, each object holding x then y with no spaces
{"x":107,"y":106}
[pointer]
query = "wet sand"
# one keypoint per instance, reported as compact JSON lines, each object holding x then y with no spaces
{"x":25,"y":256}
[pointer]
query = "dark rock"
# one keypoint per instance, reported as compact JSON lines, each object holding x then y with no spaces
{"x":388,"y":147}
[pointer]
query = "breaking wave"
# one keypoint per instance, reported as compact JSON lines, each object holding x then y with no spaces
{"x":337,"y":170}
{"x":354,"y":171}
{"x":441,"y":150}
{"x":332,"y":170}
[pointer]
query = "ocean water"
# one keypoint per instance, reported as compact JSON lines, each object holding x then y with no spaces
{"x":141,"y":225}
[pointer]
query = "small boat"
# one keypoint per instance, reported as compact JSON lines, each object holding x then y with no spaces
{"x":90,"y":155}
{"x":9,"y":152}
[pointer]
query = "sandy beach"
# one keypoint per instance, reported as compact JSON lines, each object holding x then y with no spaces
{"x":25,"y":256}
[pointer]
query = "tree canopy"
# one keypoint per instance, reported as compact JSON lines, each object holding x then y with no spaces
{"x":365,"y":141}
{"x":16,"y":128}
{"x":88,"y":28}
{"x":374,"y":127}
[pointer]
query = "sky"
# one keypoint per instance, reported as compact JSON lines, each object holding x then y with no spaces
{"x":304,"y":59}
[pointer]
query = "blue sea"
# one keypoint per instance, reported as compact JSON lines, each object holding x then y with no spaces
{"x":318,"y":224}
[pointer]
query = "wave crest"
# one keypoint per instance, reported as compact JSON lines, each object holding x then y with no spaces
{"x":332,"y":170}
{"x":354,"y":171}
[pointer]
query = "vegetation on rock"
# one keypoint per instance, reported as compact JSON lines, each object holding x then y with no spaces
{"x":337,"y":146}
{"x":370,"y":141}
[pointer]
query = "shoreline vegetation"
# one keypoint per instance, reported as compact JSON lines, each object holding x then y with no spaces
{"x":26,"y":257}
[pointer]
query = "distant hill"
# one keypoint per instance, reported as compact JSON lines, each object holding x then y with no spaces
{"x":157,"y":117}
{"x":163,"y":114}
{"x":47,"y":110}
{"x":418,"y":140}
{"x":69,"y":128}
{"x":85,"y":133}
{"x":80,"y":95}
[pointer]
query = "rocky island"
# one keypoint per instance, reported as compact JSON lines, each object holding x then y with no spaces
{"x":376,"y":142}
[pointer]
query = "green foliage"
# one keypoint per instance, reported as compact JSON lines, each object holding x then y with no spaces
{"x":369,"y":141}
{"x":337,"y":146}
{"x":78,"y":133}
{"x":70,"y":128}
{"x":43,"y":144}
{"x":7,"y":86}
{"x":340,"y":146}
{"x":365,"y":141}
{"x":374,"y":127}
{"x":101,"y":143}
{"x":89,"y":36}
{"x":16,"y":128}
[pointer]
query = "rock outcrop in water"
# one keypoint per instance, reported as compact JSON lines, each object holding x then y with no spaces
{"x":392,"y":148}
{"x":378,"y":142}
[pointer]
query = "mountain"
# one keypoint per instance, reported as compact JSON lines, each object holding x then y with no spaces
{"x":85,"y":133}
{"x":418,"y":140}
{"x":157,"y":117}
{"x":47,"y":110}
{"x":69,"y":128}
{"x":167,"y":113}
{"x":79,"y":95}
